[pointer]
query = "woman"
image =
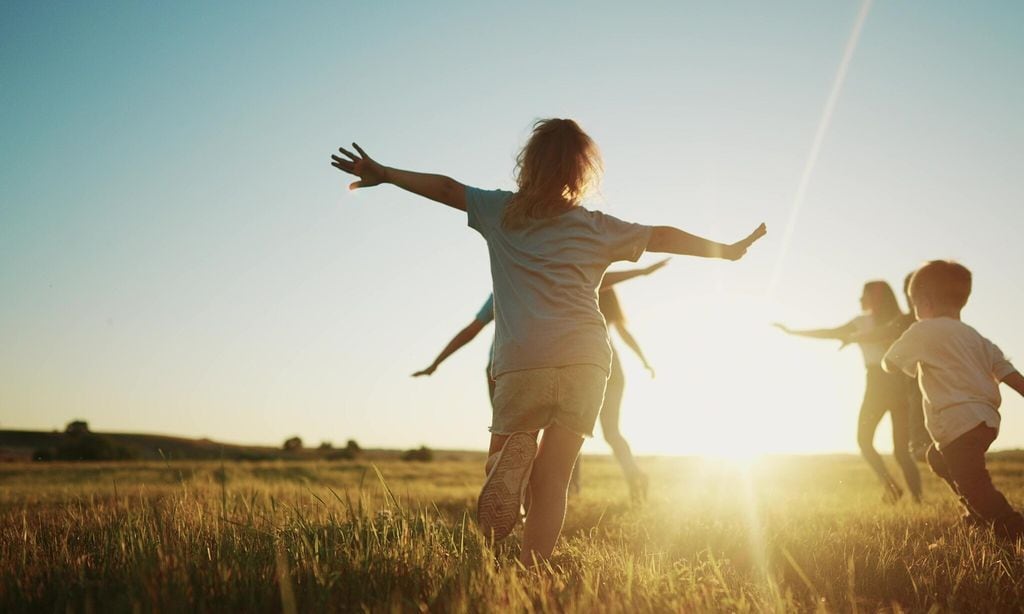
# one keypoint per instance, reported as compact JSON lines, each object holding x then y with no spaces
{"x":883,"y":392}
{"x":609,"y":417}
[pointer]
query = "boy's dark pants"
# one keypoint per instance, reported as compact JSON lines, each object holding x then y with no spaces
{"x":961,"y":463}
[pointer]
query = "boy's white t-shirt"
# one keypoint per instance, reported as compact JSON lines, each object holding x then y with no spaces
{"x":958,"y":371}
{"x":546,"y":278}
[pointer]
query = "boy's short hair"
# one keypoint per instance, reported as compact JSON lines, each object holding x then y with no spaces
{"x":944,"y":282}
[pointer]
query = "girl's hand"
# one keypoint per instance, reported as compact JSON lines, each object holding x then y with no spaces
{"x":428,"y":371}
{"x":370,"y":173}
{"x":739,"y":248}
{"x":650,"y":369}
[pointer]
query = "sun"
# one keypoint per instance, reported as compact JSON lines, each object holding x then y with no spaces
{"x":732,"y":388}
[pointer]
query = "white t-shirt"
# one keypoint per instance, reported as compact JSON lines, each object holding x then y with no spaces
{"x":958,"y":371}
{"x":546,"y":278}
{"x":872,"y":350}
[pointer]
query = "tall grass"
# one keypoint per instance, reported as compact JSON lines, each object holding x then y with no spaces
{"x":793,"y":534}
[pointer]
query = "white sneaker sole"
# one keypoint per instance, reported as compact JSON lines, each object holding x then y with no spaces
{"x":497,"y":510}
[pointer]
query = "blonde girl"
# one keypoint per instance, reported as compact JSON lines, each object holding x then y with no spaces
{"x":548,"y":255}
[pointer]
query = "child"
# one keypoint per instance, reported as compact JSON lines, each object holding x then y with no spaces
{"x":959,"y":372}
{"x":609,"y":306}
{"x":883,"y":392}
{"x":486,"y":315}
{"x":551,"y":354}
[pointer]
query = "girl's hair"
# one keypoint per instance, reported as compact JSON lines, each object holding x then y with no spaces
{"x":608,"y":303}
{"x":881,"y":300}
{"x":554,"y":171}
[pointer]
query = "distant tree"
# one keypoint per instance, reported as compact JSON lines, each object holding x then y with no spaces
{"x":423,"y":455}
{"x":92,"y":447}
{"x":293,"y":443}
{"x":350,"y":452}
{"x":342,"y":454}
{"x":77,"y":427}
{"x":326,"y":445}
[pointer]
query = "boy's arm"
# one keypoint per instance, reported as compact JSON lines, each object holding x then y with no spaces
{"x":1016,"y":381}
{"x":461,"y":338}
{"x":614,"y":277}
{"x":904,"y":354}
{"x":669,"y":240}
{"x":444,"y":190}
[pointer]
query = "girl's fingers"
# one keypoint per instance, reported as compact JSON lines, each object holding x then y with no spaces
{"x":754,"y":236}
{"x":360,"y":150}
{"x":343,"y":161}
{"x":343,"y":169}
{"x":348,"y":153}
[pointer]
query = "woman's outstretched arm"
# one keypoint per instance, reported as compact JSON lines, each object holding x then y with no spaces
{"x":671,"y":240}
{"x":440,"y":188}
{"x":613,"y":277}
{"x":633,"y":345}
{"x":841,"y":333}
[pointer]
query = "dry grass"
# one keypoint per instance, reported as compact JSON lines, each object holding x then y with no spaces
{"x":787,"y":534}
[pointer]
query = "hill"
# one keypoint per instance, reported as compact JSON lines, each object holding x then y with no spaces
{"x":25,"y":445}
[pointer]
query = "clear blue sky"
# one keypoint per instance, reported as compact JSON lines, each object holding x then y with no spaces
{"x":176,"y":254}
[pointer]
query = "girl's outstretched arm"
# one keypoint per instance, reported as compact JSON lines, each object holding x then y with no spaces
{"x":614,"y":277}
{"x":461,"y":338}
{"x":444,"y":190}
{"x":674,"y":241}
{"x":633,"y":345}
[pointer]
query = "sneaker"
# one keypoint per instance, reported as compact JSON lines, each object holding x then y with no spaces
{"x":497,"y":510}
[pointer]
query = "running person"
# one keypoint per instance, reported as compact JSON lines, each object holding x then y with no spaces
{"x":551,"y":355}
{"x":883,"y":393}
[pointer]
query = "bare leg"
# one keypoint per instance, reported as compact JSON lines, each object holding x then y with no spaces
{"x":548,"y":484}
{"x":871,"y":411}
{"x":610,"y":412}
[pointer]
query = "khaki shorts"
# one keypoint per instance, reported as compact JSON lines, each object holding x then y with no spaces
{"x":534,"y":399}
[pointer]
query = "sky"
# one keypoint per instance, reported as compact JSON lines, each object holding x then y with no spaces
{"x":177,"y":256}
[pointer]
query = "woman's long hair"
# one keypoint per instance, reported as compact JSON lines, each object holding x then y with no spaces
{"x":554,"y":171}
{"x":881,"y":300}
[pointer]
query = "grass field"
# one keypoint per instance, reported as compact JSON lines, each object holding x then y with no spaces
{"x":791,"y":534}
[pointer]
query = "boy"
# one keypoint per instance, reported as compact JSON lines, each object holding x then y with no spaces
{"x":959,"y":372}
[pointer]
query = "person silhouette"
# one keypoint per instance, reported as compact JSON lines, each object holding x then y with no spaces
{"x":883,"y":392}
